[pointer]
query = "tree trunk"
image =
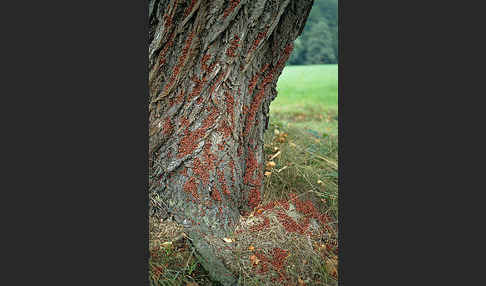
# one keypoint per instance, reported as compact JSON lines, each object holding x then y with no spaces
{"x":213,"y":69}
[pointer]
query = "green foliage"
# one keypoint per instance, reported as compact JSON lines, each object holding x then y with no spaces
{"x":318,"y":43}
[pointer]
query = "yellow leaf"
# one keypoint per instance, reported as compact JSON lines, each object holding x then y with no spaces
{"x":167,"y":243}
{"x":251,"y":247}
{"x":267,"y":173}
{"x":271,"y":164}
{"x":226,"y":239}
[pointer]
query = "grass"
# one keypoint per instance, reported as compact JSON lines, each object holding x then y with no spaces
{"x":306,"y":109}
{"x":171,"y":260}
{"x":302,"y":143}
{"x":307,"y":163}
{"x":307,"y":98}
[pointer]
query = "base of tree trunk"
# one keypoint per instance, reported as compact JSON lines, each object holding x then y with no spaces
{"x":206,"y":254}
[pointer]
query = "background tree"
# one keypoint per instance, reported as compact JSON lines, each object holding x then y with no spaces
{"x":213,"y":69}
{"x":318,"y":43}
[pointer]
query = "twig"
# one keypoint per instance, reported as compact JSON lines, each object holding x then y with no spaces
{"x":275,"y":156}
{"x":187,"y":263}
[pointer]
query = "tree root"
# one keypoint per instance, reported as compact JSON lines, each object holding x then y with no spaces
{"x":206,"y":254}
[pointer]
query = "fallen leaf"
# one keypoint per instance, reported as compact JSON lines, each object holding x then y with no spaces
{"x":271,"y":164}
{"x":167,"y":243}
{"x":192,"y":284}
{"x":251,"y":247}
{"x":301,"y":282}
{"x":292,"y":144}
{"x":254,"y":259}
{"x":267,"y":173}
{"x":320,"y":182}
{"x":276,"y":132}
{"x":226,"y":239}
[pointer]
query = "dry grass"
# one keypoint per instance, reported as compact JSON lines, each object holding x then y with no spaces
{"x":306,"y":258}
{"x":307,"y":164}
{"x":171,"y":260}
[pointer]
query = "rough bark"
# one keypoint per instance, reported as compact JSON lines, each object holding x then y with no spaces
{"x":213,"y":69}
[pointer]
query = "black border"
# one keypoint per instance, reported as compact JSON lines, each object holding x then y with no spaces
{"x":76,"y":159}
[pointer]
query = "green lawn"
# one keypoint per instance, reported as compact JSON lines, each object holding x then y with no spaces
{"x":307,"y":85}
{"x":308,"y":98}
